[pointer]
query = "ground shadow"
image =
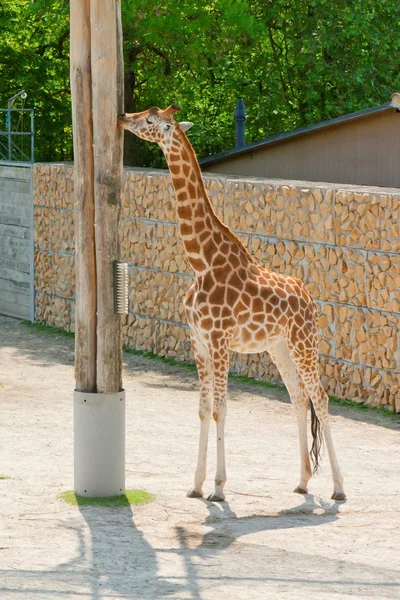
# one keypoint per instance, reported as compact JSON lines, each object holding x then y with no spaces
{"x":217,"y":556}
{"x":115,"y":569}
{"x":40,"y":346}
{"x":118,"y":571}
{"x":265,"y":565}
{"x":58,"y":349}
{"x":189,"y":386}
{"x":366,"y":415}
{"x":229,"y":528}
{"x":112,"y":560}
{"x":123,"y":563}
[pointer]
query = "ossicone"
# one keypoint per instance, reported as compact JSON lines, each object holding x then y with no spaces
{"x":171,"y":110}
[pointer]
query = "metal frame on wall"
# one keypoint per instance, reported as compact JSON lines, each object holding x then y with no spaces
{"x":13,"y":136}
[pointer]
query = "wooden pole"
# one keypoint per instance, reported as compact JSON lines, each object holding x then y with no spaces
{"x":85,"y":265}
{"x":99,"y":401}
{"x":107,"y":102}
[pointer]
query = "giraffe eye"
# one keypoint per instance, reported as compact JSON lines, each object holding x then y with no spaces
{"x":149,"y":122}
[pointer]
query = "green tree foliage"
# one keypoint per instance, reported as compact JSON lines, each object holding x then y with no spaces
{"x":195,"y":51}
{"x":34,"y":56}
{"x":331,"y":58}
{"x":293,"y":62}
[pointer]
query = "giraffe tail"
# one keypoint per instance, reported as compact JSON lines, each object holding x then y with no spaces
{"x":316,"y":432}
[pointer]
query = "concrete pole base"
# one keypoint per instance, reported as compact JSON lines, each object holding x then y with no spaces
{"x":99,"y":444}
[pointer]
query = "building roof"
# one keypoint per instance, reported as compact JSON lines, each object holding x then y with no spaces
{"x":288,"y":135}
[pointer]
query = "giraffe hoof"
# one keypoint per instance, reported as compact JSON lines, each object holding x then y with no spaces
{"x":193,"y":493}
{"x":338,"y":496}
{"x":216,"y":498}
{"x":300,"y":490}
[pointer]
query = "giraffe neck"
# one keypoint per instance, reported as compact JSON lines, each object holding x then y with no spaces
{"x":203,"y":234}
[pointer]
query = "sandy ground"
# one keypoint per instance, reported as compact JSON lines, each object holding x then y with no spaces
{"x":263,"y":542}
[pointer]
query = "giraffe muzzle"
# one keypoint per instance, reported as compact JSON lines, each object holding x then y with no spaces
{"x":123,"y":121}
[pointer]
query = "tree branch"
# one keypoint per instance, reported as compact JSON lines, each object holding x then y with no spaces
{"x":58,"y":45}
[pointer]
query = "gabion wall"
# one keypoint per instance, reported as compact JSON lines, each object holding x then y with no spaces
{"x":343,"y":241}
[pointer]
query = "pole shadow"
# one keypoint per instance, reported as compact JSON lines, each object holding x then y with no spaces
{"x":122,"y":562}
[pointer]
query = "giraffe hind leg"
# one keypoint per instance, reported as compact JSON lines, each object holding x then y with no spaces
{"x":321,"y":411}
{"x":308,"y":370}
{"x":299,"y":397}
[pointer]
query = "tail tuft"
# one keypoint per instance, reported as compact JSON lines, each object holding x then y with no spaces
{"x":316,"y":432}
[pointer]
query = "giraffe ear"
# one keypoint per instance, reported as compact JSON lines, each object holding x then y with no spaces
{"x":185,"y":125}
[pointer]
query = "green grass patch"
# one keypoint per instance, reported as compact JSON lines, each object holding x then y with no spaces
{"x":2,"y":477}
{"x":167,"y":361}
{"x":47,"y":329}
{"x":264,"y":384}
{"x":130,"y":497}
{"x":251,"y":381}
{"x":387,"y":414}
{"x":192,"y":367}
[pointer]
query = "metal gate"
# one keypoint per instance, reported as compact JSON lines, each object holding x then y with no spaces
{"x":16,"y":240}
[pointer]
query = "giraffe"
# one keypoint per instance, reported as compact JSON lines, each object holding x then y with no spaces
{"x":237,"y":304}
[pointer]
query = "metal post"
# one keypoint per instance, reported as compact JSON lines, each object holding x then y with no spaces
{"x":99,"y":444}
{"x":32,"y":137}
{"x":240,"y":122}
{"x":9,"y":133}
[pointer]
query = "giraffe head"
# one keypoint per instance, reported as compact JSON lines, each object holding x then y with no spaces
{"x":154,"y":124}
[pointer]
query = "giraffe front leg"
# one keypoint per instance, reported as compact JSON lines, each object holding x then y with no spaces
{"x":220,"y":361}
{"x":204,"y":368}
{"x":220,"y":476}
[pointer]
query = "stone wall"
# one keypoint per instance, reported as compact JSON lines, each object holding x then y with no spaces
{"x":344,"y":242}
